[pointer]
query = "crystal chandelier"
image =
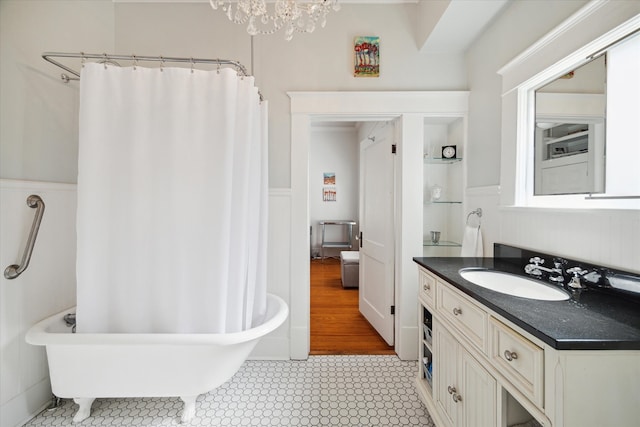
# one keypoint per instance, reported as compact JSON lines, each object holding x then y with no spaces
{"x":295,"y":16}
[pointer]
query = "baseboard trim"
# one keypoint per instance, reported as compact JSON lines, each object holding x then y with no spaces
{"x":299,"y":343}
{"x":408,"y":350}
{"x":271,"y":348}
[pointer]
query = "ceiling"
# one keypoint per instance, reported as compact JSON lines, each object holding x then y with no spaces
{"x":448,"y":25}
{"x":442,"y":25}
{"x":460,"y":23}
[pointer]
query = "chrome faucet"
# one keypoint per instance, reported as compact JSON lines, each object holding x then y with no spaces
{"x":599,"y":277}
{"x":555,"y":273}
{"x":575,"y":280}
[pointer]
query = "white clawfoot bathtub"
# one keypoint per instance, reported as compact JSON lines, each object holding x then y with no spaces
{"x":86,"y":366}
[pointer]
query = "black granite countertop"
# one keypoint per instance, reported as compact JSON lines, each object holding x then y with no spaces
{"x":591,"y":320}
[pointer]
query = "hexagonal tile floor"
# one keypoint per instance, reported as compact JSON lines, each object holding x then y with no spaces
{"x":320,"y":391}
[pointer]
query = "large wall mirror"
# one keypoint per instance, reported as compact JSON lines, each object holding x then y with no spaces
{"x":582,"y":115}
{"x":570,"y":132}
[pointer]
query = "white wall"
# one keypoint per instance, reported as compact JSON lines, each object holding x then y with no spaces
{"x":486,"y":198}
{"x":334,"y":150}
{"x":38,"y":112}
{"x":609,"y":237}
{"x":518,"y":26}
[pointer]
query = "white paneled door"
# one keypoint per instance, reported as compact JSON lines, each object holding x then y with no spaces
{"x":376,"y":225}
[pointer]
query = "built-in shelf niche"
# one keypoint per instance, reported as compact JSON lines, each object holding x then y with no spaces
{"x":443,"y":213}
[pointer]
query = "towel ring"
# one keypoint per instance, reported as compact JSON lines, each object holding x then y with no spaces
{"x":477,"y":212}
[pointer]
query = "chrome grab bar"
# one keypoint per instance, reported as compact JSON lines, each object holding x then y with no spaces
{"x":15,"y":270}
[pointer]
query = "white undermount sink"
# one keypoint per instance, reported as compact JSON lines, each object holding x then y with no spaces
{"x":511,"y":284}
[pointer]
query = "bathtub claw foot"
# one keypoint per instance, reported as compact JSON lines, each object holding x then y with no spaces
{"x":189,"y":410}
{"x":85,"y":409}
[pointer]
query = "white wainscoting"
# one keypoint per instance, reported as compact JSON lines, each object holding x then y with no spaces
{"x":276,"y":344}
{"x":488,"y":199}
{"x":46,"y":287}
{"x":598,"y":236}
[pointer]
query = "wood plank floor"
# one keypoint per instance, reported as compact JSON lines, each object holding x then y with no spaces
{"x":337,"y":327}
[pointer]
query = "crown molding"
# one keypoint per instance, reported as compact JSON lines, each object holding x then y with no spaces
{"x":582,"y":14}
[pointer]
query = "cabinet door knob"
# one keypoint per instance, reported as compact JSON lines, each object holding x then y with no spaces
{"x":456,"y":397}
{"x":451,"y":390}
{"x":426,"y":287}
{"x":457,"y":311}
{"x":510,"y":355}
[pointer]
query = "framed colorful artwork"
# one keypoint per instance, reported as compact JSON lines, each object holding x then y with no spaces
{"x":329,"y":178}
{"x":366,"y":56}
{"x":329,"y":194}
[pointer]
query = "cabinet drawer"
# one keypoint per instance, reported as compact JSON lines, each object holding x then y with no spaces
{"x":519,"y":360}
{"x":468,"y":318}
{"x":427,"y":287}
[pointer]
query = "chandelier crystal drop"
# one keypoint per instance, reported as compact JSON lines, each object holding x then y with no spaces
{"x":295,"y":16}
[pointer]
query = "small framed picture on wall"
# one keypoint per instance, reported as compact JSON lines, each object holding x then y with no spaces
{"x":329,"y":178}
{"x":329,"y":194}
{"x":366,"y":56}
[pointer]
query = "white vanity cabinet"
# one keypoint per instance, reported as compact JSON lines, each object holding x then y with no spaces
{"x":464,"y":392}
{"x":466,"y":317}
{"x":485,"y":371}
{"x":458,"y":390}
{"x":519,"y":358}
{"x":427,"y":289}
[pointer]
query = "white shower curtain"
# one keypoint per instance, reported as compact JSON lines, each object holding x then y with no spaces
{"x":172,"y":201}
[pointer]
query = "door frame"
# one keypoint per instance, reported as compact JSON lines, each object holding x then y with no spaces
{"x":411,"y":108}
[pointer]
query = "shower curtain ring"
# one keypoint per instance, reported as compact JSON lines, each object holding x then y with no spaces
{"x":192,"y":65}
{"x":161,"y":64}
{"x":135,"y":62}
{"x":82,"y":59}
{"x":105,"y":60}
{"x":218,"y":69}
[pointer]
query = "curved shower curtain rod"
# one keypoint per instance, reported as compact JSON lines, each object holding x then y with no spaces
{"x":112,"y":58}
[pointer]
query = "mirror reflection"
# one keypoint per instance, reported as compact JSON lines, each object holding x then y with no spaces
{"x":570,"y":132}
